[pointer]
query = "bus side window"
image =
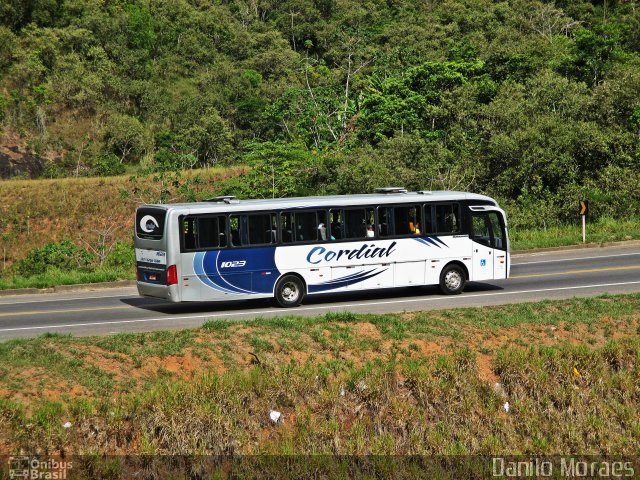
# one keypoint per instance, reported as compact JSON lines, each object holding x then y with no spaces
{"x":260,"y":229}
{"x":207,"y":232}
{"x":497,"y":230}
{"x":407,"y":220}
{"x":306,"y":226}
{"x":448,"y":218}
{"x":355,"y":222}
{"x":222,"y":229}
{"x":481,"y":233}
{"x":188,"y":230}
{"x":427,"y":224}
{"x":321,"y":216}
{"x":234,"y":229}
{"x":303,"y":226}
{"x":286,"y":220}
{"x":337,"y":227}
{"x":384,"y":218}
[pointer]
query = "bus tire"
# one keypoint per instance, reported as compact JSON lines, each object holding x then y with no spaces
{"x":289,"y":291}
{"x":452,"y":279}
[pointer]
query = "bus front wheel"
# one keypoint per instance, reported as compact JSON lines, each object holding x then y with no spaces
{"x":289,"y":291}
{"x":452,"y":280}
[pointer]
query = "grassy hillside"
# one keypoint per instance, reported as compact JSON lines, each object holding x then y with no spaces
{"x":81,"y":210}
{"x":413,"y":383}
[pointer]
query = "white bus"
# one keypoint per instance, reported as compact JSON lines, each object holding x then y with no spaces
{"x":228,"y":249}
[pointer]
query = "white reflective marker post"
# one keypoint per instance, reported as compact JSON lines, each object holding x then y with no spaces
{"x":582,"y":211}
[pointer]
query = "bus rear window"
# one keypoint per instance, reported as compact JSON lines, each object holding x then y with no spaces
{"x":150,"y":223}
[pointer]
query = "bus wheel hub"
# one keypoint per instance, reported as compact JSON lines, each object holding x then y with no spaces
{"x":452,"y":280}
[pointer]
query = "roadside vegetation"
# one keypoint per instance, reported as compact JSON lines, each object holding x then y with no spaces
{"x":434,"y":382}
{"x":71,"y":231}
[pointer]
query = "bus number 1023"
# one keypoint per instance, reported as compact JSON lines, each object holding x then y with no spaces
{"x":233,"y":264}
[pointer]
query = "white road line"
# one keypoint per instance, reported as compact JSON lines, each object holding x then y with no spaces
{"x":513,"y":264}
{"x":319,"y":307}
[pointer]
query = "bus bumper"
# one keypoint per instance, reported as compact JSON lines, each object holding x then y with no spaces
{"x":159,"y":291}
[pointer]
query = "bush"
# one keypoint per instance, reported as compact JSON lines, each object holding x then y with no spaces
{"x":64,"y":256}
{"x":108,"y":165}
{"x":122,"y":255}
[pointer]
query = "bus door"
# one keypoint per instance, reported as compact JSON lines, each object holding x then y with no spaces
{"x":482,"y":250}
{"x":499,"y":243}
{"x":490,"y":245}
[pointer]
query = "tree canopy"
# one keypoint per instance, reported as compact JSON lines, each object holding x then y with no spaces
{"x":534,"y":102}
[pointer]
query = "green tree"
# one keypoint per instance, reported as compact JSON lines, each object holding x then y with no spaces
{"x":413,"y":101}
{"x":209,"y":138}
{"x":125,"y":137}
{"x":277,"y":169}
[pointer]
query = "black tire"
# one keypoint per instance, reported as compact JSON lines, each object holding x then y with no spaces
{"x":452,"y":280}
{"x":289,"y":291}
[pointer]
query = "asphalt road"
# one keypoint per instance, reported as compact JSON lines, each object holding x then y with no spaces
{"x":536,"y":276}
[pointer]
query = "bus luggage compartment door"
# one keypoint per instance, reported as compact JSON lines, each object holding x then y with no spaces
{"x":347,"y":277}
{"x":409,"y":273}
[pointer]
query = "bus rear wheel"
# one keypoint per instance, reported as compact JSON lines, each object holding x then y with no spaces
{"x":452,"y":280}
{"x":289,"y":291}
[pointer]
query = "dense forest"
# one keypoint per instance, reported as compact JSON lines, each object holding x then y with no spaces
{"x":534,"y":102}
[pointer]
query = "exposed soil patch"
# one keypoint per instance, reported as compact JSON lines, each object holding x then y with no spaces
{"x":485,"y":369}
{"x":367,"y":330}
{"x":242,"y":346}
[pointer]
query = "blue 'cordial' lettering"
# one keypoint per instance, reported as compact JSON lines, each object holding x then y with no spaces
{"x":317,"y":254}
{"x":316,"y":250}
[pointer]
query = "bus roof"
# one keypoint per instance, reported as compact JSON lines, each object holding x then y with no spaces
{"x":322,"y":201}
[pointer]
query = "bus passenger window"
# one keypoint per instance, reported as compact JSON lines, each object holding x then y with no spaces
{"x":427,"y":223}
{"x":301,"y":226}
{"x":261,"y":229}
{"x":371,"y":222}
{"x":222,"y":232}
{"x":188,"y":230}
{"x":286,"y":222}
{"x":203,"y":232}
{"x":337,"y":227}
{"x":447,"y":218}
{"x":306,"y":227}
{"x":322,"y":225}
{"x":234,"y":230}
{"x":400,"y":221}
{"x":356,"y":221}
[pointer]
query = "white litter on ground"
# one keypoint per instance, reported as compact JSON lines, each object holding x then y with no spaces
{"x":275,"y":416}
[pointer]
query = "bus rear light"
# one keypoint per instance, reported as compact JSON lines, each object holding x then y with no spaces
{"x":172,"y":275}
{"x":137,"y":275}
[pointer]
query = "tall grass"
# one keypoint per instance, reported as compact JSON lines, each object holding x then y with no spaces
{"x":55,"y":277}
{"x":601,"y":231}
